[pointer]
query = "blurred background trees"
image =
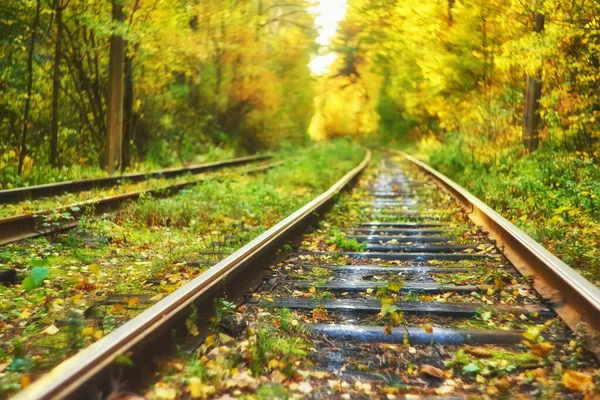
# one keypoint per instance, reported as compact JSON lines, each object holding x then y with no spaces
{"x":196,"y":74}
{"x":459,"y":71}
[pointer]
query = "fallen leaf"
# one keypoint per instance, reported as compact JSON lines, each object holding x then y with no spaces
{"x":471,"y":368}
{"x":25,"y":381}
{"x":432,"y":371}
{"x":445,"y":389}
{"x":94,"y":268}
{"x":577,"y":381}
{"x":320,"y":314}
{"x":77,"y":297}
{"x":131,"y":301}
{"x":157,"y":297}
{"x":387,"y":329}
{"x":428,"y":328}
{"x":277,"y":376}
{"x":163,"y":393}
{"x":503,"y":385}
{"x":542,"y":349}
{"x":25,"y":314}
{"x":305,"y":388}
{"x":51,"y":330}
{"x":87,"y":332}
{"x":191,"y":327}
{"x":477,"y":352}
{"x":195,"y":387}
{"x":532,"y":333}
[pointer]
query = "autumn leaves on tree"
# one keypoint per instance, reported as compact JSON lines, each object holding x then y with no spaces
{"x":119,"y":81}
{"x":471,"y":68}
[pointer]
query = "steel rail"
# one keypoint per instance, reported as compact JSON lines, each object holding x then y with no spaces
{"x":575,"y":299}
{"x":18,"y":194}
{"x":24,"y":226}
{"x":75,"y":373}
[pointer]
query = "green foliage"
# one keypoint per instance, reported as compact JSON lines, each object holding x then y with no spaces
{"x":35,"y":278}
{"x":217,"y":74}
{"x":553,"y":194}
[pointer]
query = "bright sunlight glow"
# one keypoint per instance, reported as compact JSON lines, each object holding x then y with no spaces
{"x":328,"y":15}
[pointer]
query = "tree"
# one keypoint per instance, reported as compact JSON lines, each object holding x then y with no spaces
{"x":114,"y":124}
{"x":26,"y":122}
{"x":59,"y":7}
{"x":531,"y":117}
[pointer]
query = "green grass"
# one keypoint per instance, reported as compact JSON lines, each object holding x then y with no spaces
{"x":553,"y":195}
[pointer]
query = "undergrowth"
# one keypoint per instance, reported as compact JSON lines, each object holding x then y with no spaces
{"x":552,"y":194}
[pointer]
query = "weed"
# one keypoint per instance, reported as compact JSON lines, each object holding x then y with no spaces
{"x":223,"y":308}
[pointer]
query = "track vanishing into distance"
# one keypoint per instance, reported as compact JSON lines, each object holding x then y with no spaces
{"x":395,"y":291}
{"x":27,"y":225}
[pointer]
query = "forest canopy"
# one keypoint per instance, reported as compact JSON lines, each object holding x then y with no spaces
{"x":464,"y":70}
{"x":195,"y":75}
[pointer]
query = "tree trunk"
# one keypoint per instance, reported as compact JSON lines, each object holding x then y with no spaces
{"x":533,"y":93}
{"x":114,"y":131}
{"x":128,"y":117}
{"x":56,"y":84}
{"x":34,"y":28}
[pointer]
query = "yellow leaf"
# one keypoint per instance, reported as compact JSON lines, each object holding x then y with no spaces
{"x":77,"y":297}
{"x":51,"y":330}
{"x":274,"y":363}
{"x":98,"y":334}
{"x":532,"y":334}
{"x":542,"y":349}
{"x":395,"y":286}
{"x":94,"y":268}
{"x":428,"y":328}
{"x":87,"y":332}
{"x":577,"y":381}
{"x":25,"y":381}
{"x":191,"y":327}
{"x":432,"y":371}
{"x":25,"y":314}
{"x":387,"y":329}
{"x":131,"y":301}
{"x":195,"y":387}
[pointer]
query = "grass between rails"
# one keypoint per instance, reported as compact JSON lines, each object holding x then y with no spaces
{"x":554,"y":196}
{"x":152,"y":238}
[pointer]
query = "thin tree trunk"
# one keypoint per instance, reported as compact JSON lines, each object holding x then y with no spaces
{"x":114,"y":131}
{"x":128,"y":122}
{"x":56,"y":84}
{"x":533,"y":93}
{"x":34,"y":28}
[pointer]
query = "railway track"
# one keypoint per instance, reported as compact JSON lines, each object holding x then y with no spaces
{"x":23,"y":226}
{"x":396,"y":293}
{"x":49,"y":189}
